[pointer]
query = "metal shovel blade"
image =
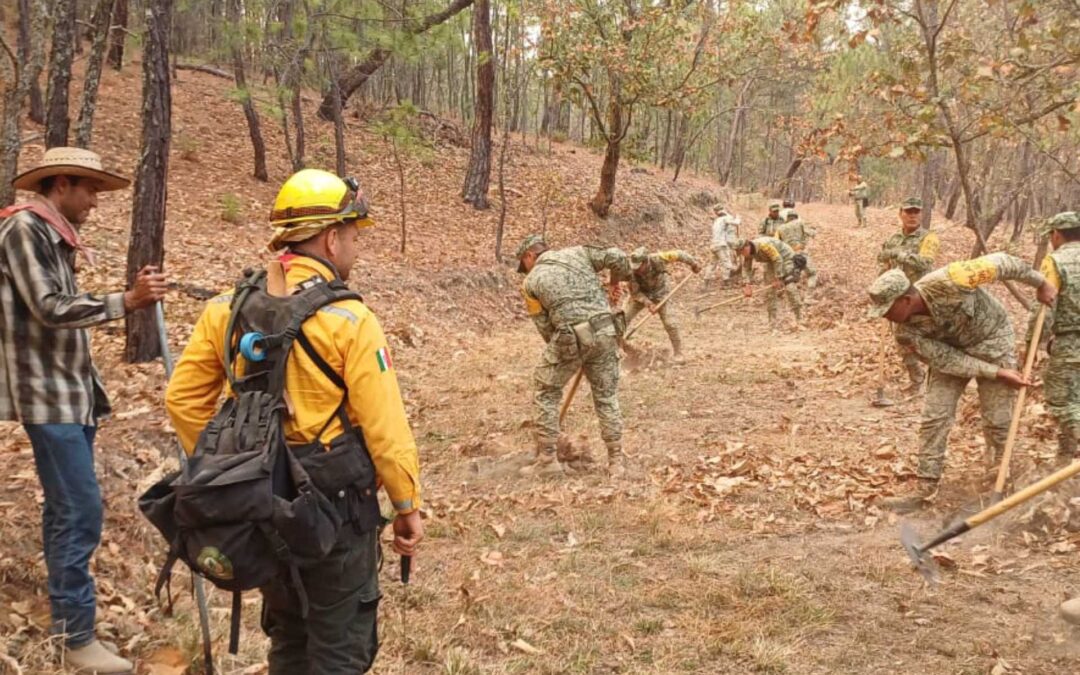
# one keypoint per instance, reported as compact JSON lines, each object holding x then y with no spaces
{"x":881,"y":400}
{"x":925,"y":564}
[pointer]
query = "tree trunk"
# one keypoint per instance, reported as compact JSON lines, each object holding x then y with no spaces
{"x":13,"y":94}
{"x":737,"y":122}
{"x":60,"y":59}
{"x":85,"y":125}
{"x":298,"y":122}
{"x":32,"y":15}
{"x":605,"y":194}
{"x":340,"y":159}
{"x":20,"y":79}
{"x":119,"y":36}
{"x":147,"y":246}
{"x":349,"y":82}
{"x":478,"y":174}
{"x":252,"y":117}
{"x":782,"y":187}
{"x":929,"y":178}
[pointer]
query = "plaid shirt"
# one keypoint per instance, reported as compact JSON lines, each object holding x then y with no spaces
{"x":46,"y":374}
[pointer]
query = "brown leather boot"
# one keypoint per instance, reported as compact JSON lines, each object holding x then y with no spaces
{"x":923,"y":494}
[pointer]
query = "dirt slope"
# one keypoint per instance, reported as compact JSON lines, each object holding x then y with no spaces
{"x":747,"y":540}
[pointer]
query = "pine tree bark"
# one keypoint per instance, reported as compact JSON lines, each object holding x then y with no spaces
{"x":349,"y":82}
{"x":84,"y":126}
{"x":19,"y":77}
{"x":478,"y":174}
{"x":118,"y":36}
{"x":60,"y":59}
{"x":258,"y":147}
{"x":147,"y":245}
{"x":32,"y":52}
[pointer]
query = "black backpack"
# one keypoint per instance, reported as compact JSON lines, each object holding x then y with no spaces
{"x":246,"y":507}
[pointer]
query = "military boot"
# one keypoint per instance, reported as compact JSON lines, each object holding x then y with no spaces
{"x":676,"y":346}
{"x":546,"y":465}
{"x":923,"y":494}
{"x":616,"y":460}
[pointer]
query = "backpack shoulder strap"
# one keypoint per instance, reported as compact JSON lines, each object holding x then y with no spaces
{"x":253,"y":280}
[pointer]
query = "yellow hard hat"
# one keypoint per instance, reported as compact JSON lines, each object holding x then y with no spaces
{"x":312,"y":200}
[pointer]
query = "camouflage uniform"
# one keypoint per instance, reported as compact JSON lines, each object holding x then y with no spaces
{"x":797,"y":235}
{"x":651,"y":285}
{"x":860,"y":193}
{"x":779,"y":264}
{"x":564,"y":297}
{"x":769,"y":226}
{"x":966,"y":334}
{"x":725,"y":230}
{"x":1061,"y":382}
{"x":914,"y":254}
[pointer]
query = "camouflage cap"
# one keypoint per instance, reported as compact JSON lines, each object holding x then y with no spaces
{"x":791,"y":215}
{"x":912,"y":203}
{"x":739,"y":244}
{"x":775,"y":204}
{"x":639,"y":256}
{"x":527,"y":243}
{"x":885,"y":290}
{"x":1066,"y":220}
{"x":718,"y":208}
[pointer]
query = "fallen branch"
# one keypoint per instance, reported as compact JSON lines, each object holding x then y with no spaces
{"x":209,"y":70}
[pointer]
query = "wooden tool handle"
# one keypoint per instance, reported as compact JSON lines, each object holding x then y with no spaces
{"x":1018,"y":408}
{"x":570,"y":395}
{"x":658,"y":306}
{"x":1024,"y":495}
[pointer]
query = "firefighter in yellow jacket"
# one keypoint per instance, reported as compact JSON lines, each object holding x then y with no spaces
{"x":317,"y":219}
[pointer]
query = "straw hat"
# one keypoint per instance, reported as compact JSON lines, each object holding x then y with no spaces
{"x":70,"y":162}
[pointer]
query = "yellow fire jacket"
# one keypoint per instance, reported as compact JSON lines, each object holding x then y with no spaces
{"x":348,"y":337}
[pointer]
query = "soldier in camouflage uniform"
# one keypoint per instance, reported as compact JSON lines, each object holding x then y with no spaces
{"x":962,"y":332}
{"x":1061,"y":382}
{"x":725,"y":230}
{"x":780,"y":273}
{"x":773,"y":221}
{"x":797,"y":234}
{"x":861,"y":194}
{"x":569,"y":306}
{"x":912,"y":250}
{"x":788,"y":207}
{"x":649,"y":285}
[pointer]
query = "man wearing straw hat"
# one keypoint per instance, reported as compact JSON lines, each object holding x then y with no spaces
{"x":48,"y":380}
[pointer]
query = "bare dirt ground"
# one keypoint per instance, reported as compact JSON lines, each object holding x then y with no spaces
{"x":746,"y":539}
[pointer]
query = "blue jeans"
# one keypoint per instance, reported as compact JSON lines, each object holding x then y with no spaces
{"x":70,"y":524}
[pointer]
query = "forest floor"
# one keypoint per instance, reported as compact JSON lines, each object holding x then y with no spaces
{"x":746,"y":538}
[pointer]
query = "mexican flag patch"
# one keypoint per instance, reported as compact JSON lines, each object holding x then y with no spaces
{"x":383,"y":357}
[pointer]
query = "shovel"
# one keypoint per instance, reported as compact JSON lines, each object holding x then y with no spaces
{"x":1018,"y":408}
{"x":909,"y":538}
{"x":629,"y":350}
{"x":196,"y":579}
{"x":880,"y":399}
